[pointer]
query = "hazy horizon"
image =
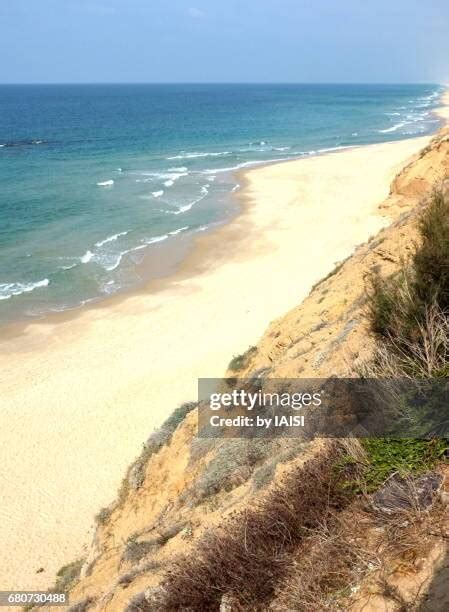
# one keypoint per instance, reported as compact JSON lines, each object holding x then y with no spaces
{"x":205,"y":42}
{"x":56,"y":84}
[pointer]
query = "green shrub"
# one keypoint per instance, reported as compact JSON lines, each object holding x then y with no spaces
{"x":431,"y":261}
{"x":239,"y":362}
{"x":407,"y":456}
{"x":409,"y":310}
{"x":67,"y":576}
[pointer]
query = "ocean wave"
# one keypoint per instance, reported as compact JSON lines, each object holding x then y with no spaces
{"x":168,"y":178}
{"x":195,"y":155}
{"x":178,"y":231}
{"x":138,"y":247}
{"x":182,"y":209}
{"x":112,"y":238}
{"x":8,"y":290}
{"x":157,"y":194}
{"x":108,"y":183}
{"x":394,"y":128}
{"x":186,"y":207}
{"x":111,"y":261}
{"x":213,"y":171}
{"x":88,"y":255}
{"x":178,"y":169}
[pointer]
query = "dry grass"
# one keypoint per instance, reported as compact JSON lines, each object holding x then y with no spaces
{"x":246,"y":556}
{"x":326,"y":566}
{"x":409,"y":311}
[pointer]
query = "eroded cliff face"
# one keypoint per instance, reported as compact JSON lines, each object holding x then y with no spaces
{"x":181,"y":485}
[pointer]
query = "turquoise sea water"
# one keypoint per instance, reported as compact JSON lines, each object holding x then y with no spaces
{"x":94,"y":178}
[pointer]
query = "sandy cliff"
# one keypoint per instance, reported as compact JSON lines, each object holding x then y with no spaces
{"x":182,"y":486}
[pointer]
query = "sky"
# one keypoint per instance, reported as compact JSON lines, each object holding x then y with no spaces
{"x":54,"y":41}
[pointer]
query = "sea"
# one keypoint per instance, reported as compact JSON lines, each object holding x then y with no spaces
{"x":96,"y":178}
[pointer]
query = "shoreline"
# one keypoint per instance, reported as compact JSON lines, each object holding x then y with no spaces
{"x":181,"y":259}
{"x":99,"y":380}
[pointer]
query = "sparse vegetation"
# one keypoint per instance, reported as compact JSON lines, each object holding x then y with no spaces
{"x":239,"y":362}
{"x":156,"y":441}
{"x":232,"y":464}
{"x":410,"y":309}
{"x":410,"y":315}
{"x":67,"y":576}
{"x":136,"y":550}
{"x":103,"y":515}
{"x":385,"y":456}
{"x":142,"y":568}
{"x":246,"y":555}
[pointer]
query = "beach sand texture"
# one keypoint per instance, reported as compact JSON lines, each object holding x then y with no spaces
{"x":80,"y":394}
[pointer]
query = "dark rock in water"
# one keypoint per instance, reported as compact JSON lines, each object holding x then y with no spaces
{"x":22,"y":143}
{"x":400,"y":494}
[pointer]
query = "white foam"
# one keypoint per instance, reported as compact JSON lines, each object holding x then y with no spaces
{"x":183,"y":209}
{"x":106,"y":183}
{"x":169,"y":183}
{"x":178,"y":169}
{"x":110,"y":239}
{"x":195,"y":155}
{"x":394,"y":128}
{"x":187,"y":207}
{"x":156,"y":239}
{"x":86,"y":257}
{"x":8,"y":290}
{"x":157,"y":194}
{"x":330,"y":149}
{"x":139,"y":247}
{"x":178,"y":231}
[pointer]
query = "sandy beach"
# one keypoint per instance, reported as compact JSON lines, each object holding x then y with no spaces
{"x":81,"y":393}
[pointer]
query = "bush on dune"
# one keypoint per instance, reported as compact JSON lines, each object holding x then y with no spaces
{"x":410,"y":310}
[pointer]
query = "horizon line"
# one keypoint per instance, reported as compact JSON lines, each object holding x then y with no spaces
{"x":55,"y":83}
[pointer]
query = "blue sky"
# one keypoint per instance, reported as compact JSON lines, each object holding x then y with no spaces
{"x":224,"y":41}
